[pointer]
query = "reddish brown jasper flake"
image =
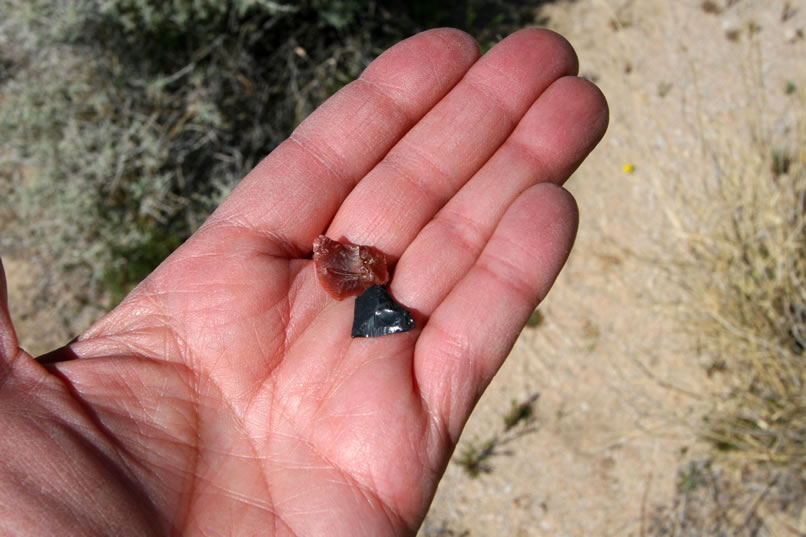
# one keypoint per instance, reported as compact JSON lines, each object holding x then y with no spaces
{"x":347,"y":269}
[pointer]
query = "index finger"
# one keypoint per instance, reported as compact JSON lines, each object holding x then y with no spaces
{"x":292,"y":195}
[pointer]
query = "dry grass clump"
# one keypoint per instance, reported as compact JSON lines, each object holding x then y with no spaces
{"x":744,"y":272}
{"x":709,"y":502}
{"x":740,"y":264}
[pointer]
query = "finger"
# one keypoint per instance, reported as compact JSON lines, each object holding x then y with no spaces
{"x":292,"y":195}
{"x":8,"y":337}
{"x":470,"y":333}
{"x":553,"y":138}
{"x":433,"y":160}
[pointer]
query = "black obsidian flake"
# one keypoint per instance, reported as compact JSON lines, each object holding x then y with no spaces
{"x":376,"y":314}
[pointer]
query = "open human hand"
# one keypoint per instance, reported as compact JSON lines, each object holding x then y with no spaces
{"x":225,"y":396}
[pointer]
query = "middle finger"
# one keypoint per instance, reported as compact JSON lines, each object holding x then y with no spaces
{"x":443,"y":150}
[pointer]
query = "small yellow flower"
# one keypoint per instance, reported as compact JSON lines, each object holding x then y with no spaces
{"x":628,"y":168}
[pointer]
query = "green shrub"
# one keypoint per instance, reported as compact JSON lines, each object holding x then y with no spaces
{"x":127,"y":121}
{"x":134,"y":118}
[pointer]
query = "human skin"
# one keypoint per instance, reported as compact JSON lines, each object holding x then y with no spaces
{"x":225,"y":396}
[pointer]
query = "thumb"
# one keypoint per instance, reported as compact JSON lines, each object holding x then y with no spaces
{"x":9,"y":346}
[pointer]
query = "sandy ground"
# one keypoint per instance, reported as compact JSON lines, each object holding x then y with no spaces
{"x":617,"y":395}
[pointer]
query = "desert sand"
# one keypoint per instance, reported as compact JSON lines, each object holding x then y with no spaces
{"x":620,"y":390}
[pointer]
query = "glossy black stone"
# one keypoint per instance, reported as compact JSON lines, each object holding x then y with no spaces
{"x":376,"y":314}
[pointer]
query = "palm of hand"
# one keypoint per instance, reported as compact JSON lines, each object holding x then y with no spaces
{"x":225,"y":394}
{"x":284,"y":423}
